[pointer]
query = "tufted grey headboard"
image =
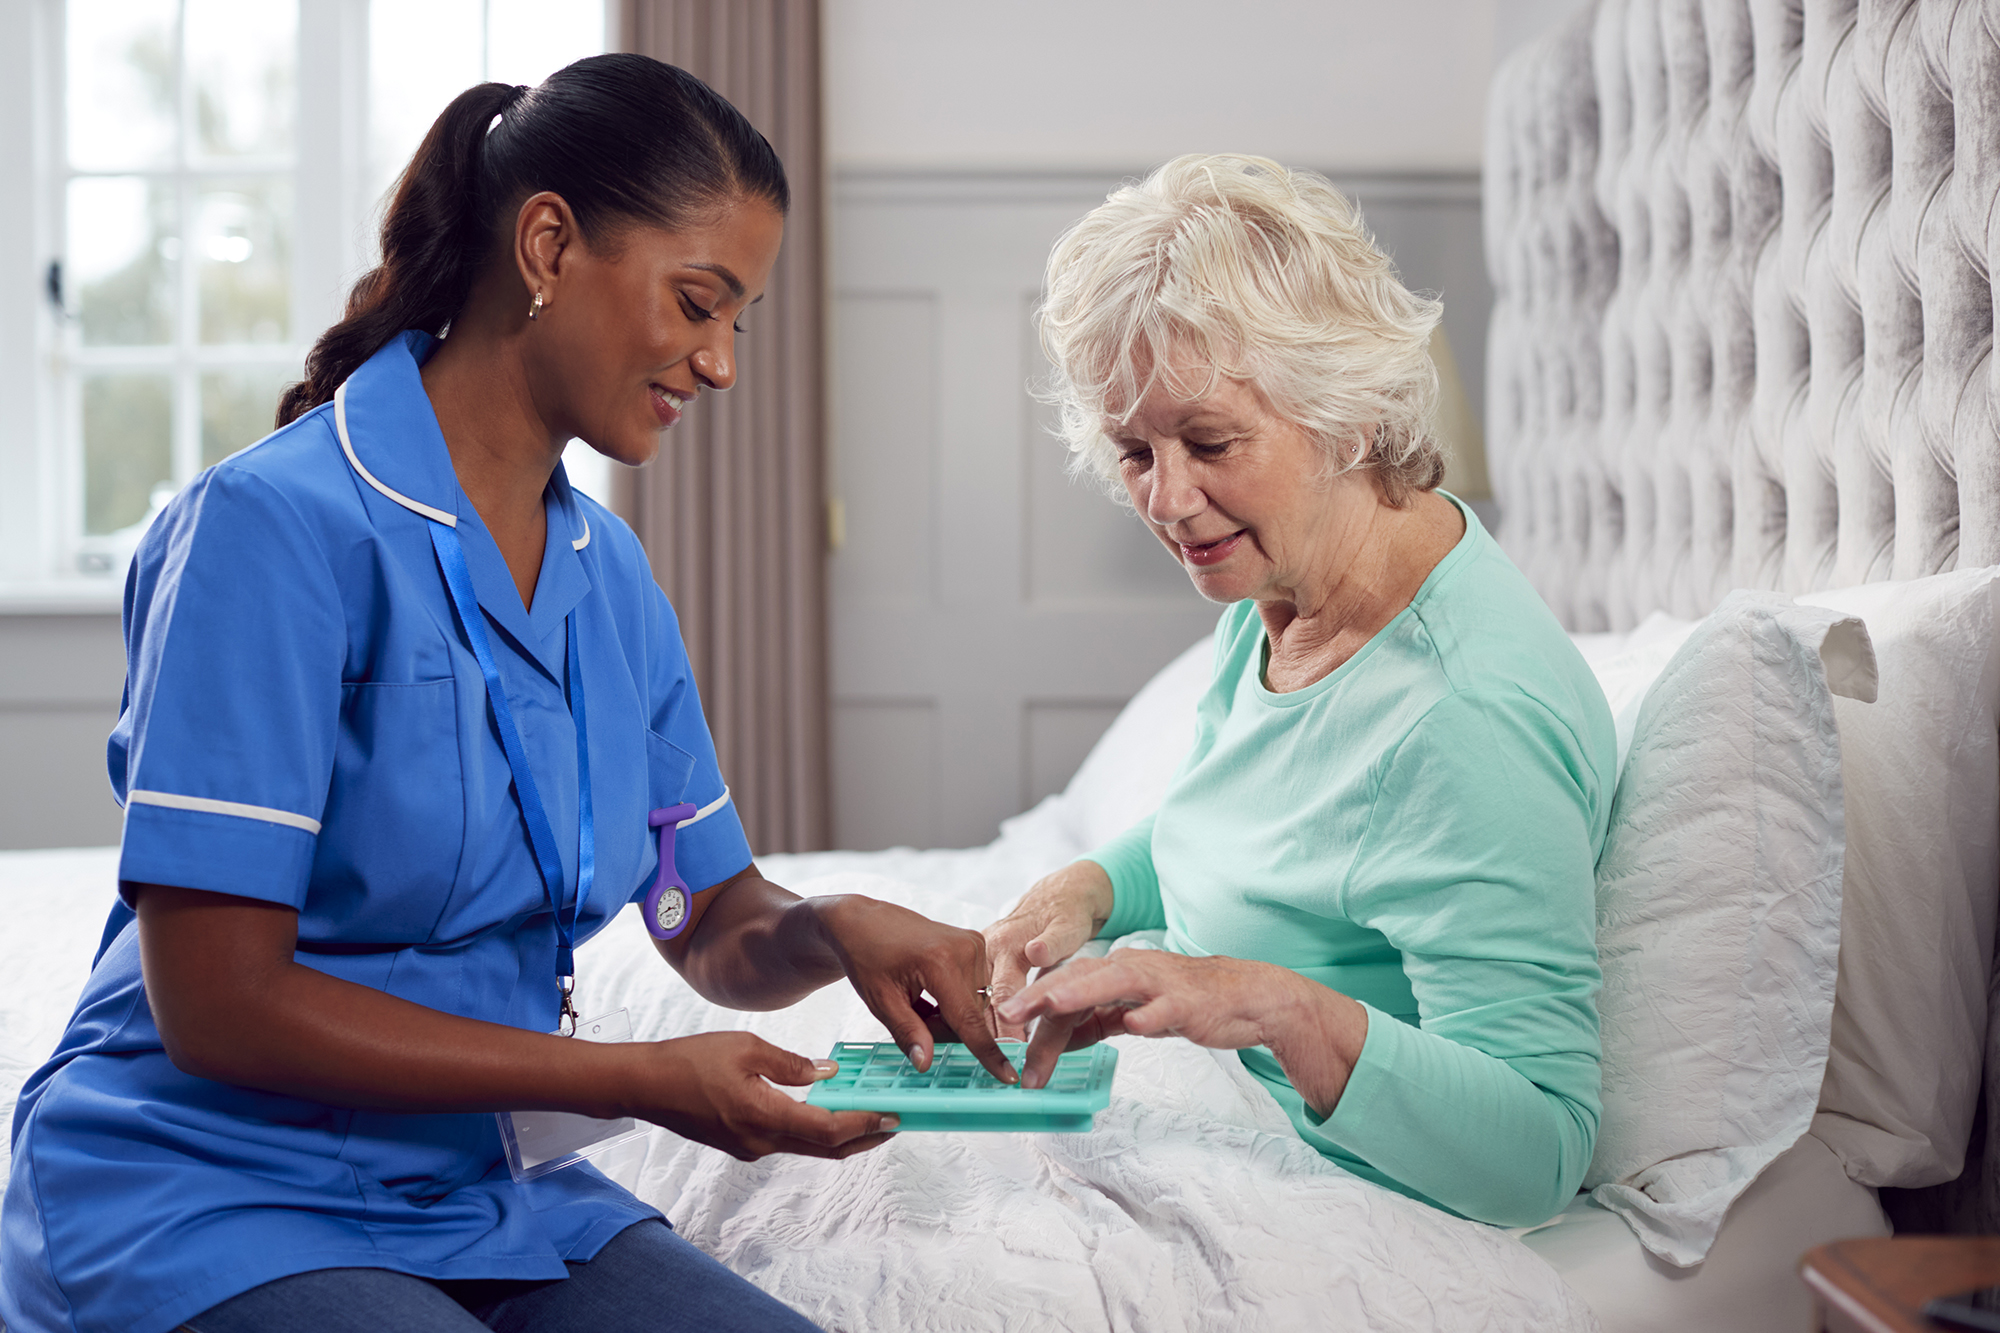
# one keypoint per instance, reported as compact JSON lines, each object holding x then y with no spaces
{"x":1743,"y":322}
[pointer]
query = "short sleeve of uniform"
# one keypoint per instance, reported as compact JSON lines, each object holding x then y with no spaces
{"x":681,"y":758}
{"x":235,"y":640}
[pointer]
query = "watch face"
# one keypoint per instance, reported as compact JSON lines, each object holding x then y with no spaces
{"x":671,"y":909}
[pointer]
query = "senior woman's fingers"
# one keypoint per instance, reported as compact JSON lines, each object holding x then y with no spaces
{"x":1057,"y":914}
{"x":1009,"y":975}
{"x":1086,"y":984}
{"x":1065,"y":1032}
{"x":1062,"y":938}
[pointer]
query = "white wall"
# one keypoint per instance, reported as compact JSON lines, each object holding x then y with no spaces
{"x":1352,"y":85}
{"x":962,"y":139}
{"x":1093,"y":88}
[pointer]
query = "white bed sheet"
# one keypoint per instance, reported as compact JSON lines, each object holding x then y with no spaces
{"x":1748,"y":1283}
{"x":1191,"y":1206}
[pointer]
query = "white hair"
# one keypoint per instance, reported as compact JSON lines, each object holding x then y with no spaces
{"x":1260,"y":274}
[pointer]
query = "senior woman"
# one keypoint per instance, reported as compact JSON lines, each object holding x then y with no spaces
{"x":1375,"y":866}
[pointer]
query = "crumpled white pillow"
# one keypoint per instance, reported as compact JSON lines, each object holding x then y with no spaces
{"x":1719,"y":915}
{"x":1628,"y":672}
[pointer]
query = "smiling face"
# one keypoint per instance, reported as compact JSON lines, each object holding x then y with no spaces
{"x":1235,"y":491}
{"x":648,"y":323}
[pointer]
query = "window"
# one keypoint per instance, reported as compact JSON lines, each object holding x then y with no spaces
{"x":207,"y":176}
{"x":176,"y":329}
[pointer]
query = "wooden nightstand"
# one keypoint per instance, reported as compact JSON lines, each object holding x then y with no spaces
{"x":1879,"y":1285}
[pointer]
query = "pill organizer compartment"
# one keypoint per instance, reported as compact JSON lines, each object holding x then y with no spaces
{"x":956,"y":1092}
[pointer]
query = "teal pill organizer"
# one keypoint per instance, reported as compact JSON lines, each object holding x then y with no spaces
{"x":956,"y":1092}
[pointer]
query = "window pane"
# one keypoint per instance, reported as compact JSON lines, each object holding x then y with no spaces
{"x":242,"y":58}
{"x":238,"y":406}
{"x":127,"y":448}
{"x":419,"y":58}
{"x":122,"y":252}
{"x":528,"y":40}
{"x":243,"y":235}
{"x":121,"y":83}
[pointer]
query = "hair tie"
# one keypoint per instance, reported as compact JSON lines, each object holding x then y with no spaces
{"x":514,"y":95}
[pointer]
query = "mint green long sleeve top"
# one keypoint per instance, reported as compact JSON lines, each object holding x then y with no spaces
{"x":1419,"y":830}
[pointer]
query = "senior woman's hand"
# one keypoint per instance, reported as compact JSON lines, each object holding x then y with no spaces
{"x":1052,"y":920}
{"x":1315,"y":1033}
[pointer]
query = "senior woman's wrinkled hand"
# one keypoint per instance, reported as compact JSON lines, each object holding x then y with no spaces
{"x":1314,"y":1032}
{"x":1052,"y":920}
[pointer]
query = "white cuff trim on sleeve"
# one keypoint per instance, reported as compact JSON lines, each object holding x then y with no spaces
{"x":264,"y":812}
{"x":708,"y":809}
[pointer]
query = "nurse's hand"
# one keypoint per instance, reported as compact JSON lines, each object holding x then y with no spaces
{"x":712,"y":1088}
{"x":920,"y":977}
{"x":1315,"y":1033}
{"x":1051,"y":922}
{"x":752,"y":945}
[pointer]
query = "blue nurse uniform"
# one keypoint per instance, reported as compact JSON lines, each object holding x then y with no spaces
{"x":305,"y":724}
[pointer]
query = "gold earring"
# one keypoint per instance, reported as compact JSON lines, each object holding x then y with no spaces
{"x":536,"y":308}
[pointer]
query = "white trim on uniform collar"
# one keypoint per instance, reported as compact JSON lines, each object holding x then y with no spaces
{"x":174,"y":801}
{"x":416,"y":506}
{"x":347,"y":447}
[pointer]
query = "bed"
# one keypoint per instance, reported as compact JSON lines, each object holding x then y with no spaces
{"x":1741,"y":341}
{"x":1192,"y":1205}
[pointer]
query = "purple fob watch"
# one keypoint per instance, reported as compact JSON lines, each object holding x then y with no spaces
{"x":667,"y":901}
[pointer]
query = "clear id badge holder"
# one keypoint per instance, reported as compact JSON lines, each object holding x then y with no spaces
{"x":539,"y":1142}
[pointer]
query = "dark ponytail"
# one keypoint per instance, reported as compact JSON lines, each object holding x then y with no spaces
{"x":622,"y":138}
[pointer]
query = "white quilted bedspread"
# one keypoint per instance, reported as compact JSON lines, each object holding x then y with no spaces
{"x":1191,"y":1207}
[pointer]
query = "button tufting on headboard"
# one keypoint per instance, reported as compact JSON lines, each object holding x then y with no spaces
{"x":1743,"y":321}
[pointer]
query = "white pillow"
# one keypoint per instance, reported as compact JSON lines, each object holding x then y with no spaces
{"x":1922,"y":768}
{"x":1628,"y":672}
{"x":1125,"y":776}
{"x":1718,"y":901}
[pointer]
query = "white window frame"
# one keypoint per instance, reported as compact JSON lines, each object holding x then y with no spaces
{"x":333,"y":222}
{"x":41,"y":550}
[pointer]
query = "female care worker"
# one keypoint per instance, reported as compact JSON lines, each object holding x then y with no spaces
{"x":399,"y":702}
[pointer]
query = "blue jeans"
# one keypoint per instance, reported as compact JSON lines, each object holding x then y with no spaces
{"x":647,"y":1278}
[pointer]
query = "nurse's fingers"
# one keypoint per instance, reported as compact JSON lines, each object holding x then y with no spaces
{"x":962,"y":987}
{"x":893,"y":956}
{"x":818,"y":1131}
{"x":788,"y":1067}
{"x":1010,"y":969}
{"x":953,"y":974}
{"x":784,"y":1125}
{"x":853,"y":1146}
{"x":907,"y":1028}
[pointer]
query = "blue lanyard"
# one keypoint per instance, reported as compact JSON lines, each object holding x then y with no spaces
{"x":458,"y":578}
